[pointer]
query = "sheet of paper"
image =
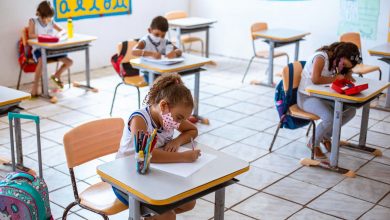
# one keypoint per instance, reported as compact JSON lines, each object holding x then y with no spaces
{"x":163,"y":60}
{"x":184,"y":169}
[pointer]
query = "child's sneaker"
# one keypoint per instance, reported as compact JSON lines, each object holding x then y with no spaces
{"x":57,"y":81}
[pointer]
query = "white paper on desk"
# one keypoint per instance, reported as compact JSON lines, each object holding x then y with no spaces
{"x":163,"y":60}
{"x":184,"y":169}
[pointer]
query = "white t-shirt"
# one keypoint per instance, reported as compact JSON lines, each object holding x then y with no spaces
{"x":164,"y":46}
{"x":127,"y":146}
{"x":42,"y":29}
{"x":308,"y":70}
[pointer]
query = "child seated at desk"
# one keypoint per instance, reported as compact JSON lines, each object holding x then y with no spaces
{"x":154,"y":44}
{"x":169,"y":104}
{"x":323,"y":67}
{"x":44,"y":24}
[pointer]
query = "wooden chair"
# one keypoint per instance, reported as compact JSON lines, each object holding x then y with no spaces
{"x":360,"y":69}
{"x":85,"y":143}
{"x":294,"y":110}
{"x":186,"y":39}
{"x":135,"y":81}
{"x":263,"y":54}
{"x":30,"y":60}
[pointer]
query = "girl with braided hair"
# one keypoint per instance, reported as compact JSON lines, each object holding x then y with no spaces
{"x":168,"y":105}
{"x":327,"y":64}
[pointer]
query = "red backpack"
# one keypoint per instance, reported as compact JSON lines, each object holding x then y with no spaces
{"x":123,"y":69}
{"x":25,"y":56}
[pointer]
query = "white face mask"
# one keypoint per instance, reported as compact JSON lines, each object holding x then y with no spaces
{"x":155,"y":39}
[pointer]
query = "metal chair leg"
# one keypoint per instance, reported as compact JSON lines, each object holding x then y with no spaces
{"x":202,"y":48}
{"x":105,"y":217}
{"x":67,"y":209}
{"x":113,"y":99}
{"x":380,"y":74}
{"x":308,"y":130}
{"x":20,"y":77}
{"x":247,"y":68}
{"x":313,"y":139}
{"x":276,"y":134}
{"x":139,"y":98}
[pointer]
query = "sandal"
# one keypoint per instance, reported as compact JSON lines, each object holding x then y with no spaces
{"x":57,"y":81}
{"x":327,"y":143}
{"x":317,"y":152}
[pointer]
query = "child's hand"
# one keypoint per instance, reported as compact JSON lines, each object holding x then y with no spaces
{"x":350,"y":78}
{"x":171,"y":55}
{"x":156,"y":55}
{"x":191,"y":155}
{"x":172,"y":146}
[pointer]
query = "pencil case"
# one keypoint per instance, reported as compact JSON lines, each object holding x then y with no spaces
{"x":347,"y":87}
{"x":44,"y":38}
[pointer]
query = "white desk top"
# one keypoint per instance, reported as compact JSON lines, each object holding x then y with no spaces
{"x":161,"y":188}
{"x":380,"y":50}
{"x":281,"y":34}
{"x":76,"y":40}
{"x":190,"y":62}
{"x":374,"y":88}
{"x":10,"y":96}
{"x":191,"y":22}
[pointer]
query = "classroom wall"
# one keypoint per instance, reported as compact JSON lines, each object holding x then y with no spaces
{"x":231,"y":35}
{"x":14,"y":15}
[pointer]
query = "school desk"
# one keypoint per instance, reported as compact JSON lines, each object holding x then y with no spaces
{"x":276,"y":38}
{"x":191,"y":65}
{"x":9,"y":102}
{"x":158,"y":191}
{"x":383,"y":52}
{"x":362,"y":99}
{"x":77,"y":43}
{"x":191,"y":25}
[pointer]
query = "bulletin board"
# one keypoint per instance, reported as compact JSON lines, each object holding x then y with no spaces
{"x":82,"y":9}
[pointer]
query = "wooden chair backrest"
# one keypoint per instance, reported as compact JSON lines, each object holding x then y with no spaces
{"x":129,"y":55}
{"x":175,"y":15}
{"x":92,"y":140}
{"x":351,"y":37}
{"x":258,"y":26}
{"x":297,"y":76}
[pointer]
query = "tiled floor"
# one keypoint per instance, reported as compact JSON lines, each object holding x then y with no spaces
{"x":243,"y":120}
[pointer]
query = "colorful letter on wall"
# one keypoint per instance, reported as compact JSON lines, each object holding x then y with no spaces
{"x":80,"y":9}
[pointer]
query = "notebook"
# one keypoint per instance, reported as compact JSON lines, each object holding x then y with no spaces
{"x":184,"y":169}
{"x":163,"y":60}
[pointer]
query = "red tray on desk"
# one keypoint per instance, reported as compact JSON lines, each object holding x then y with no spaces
{"x":44,"y":38}
{"x":347,"y":87}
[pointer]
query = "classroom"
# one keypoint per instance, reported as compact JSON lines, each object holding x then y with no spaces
{"x":195,"y":109}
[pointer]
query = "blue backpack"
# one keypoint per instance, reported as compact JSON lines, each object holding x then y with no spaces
{"x":283,"y":100}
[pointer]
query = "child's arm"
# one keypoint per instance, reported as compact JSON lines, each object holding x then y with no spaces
{"x":316,"y":78}
{"x":31,"y":29}
{"x":139,"y":51}
{"x":187,"y":131}
{"x":162,"y":156}
{"x":59,"y":29}
{"x":176,"y":52}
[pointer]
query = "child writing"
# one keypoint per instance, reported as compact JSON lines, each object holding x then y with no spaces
{"x":169,"y":104}
{"x":154,"y":44}
{"x":323,"y":67}
{"x":44,"y":24}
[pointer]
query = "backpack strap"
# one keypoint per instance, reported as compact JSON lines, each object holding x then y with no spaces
{"x":124,"y":48}
{"x":290,"y":82}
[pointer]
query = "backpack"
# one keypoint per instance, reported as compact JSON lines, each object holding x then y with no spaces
{"x":24,"y":196}
{"x":123,"y":69}
{"x":25,"y":55}
{"x":284,"y":100}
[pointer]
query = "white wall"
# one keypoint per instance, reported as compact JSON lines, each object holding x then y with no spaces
{"x":231,"y":35}
{"x":110,"y":30}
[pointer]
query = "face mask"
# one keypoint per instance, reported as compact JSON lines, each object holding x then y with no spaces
{"x":154,"y":38}
{"x":169,"y":123}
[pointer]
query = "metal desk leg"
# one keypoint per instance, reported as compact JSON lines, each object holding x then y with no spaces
{"x":178,"y":37}
{"x":219,"y":205}
{"x":271,"y":63}
{"x":134,"y":208}
{"x":196,"y":93}
{"x":45,"y":86}
{"x":207,"y":41}
{"x":387,"y":102}
{"x":334,"y":154}
{"x":87,"y":69}
{"x":296,"y":51}
{"x":363,"y":135}
{"x":151,"y":78}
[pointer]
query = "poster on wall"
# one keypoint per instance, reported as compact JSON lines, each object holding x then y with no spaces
{"x":359,"y":16}
{"x":82,"y":9}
